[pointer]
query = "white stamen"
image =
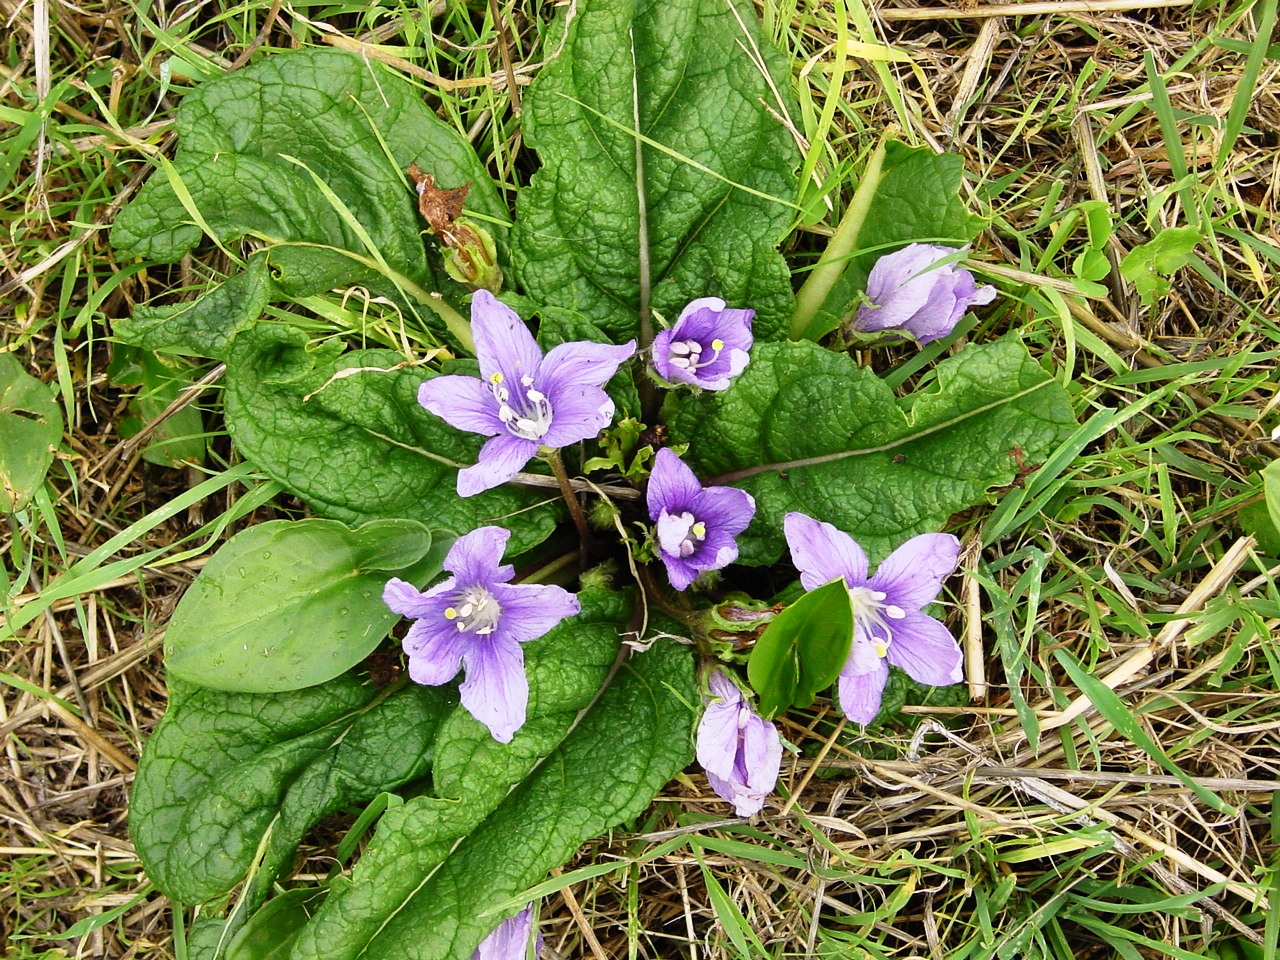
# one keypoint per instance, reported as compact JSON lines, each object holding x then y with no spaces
{"x":477,"y":611}
{"x":529,"y":419}
{"x":687,"y":354}
{"x":872,"y":614}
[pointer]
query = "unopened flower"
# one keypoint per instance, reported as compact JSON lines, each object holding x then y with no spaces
{"x":697,"y":525}
{"x":910,"y":292}
{"x":522,"y":399}
{"x":740,"y":750}
{"x":510,"y":939}
{"x":707,"y":347}
{"x":888,"y":625}
{"x":476,"y":621}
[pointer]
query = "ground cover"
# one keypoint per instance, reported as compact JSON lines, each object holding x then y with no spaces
{"x":1107,"y":789}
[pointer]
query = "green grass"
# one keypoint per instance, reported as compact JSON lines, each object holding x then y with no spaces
{"x":890,"y":849}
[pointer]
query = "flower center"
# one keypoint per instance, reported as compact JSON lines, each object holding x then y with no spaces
{"x":872,"y":614}
{"x":527,"y":413}
{"x":687,"y":354}
{"x":476,"y":612}
{"x":682,"y":537}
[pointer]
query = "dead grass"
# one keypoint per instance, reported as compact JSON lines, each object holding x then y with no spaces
{"x":962,"y":838}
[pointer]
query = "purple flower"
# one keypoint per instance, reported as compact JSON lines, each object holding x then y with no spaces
{"x":522,"y":399}
{"x":696,"y":525}
{"x":910,"y":293}
{"x":888,"y":626}
{"x":707,"y":347}
{"x":510,"y":939}
{"x":476,"y":621}
{"x":740,"y":751}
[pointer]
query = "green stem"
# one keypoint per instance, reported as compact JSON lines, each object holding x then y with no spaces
{"x":813,"y":294}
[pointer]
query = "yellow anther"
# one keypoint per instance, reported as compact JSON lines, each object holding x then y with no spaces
{"x":717,"y":344}
{"x":699,"y":530}
{"x":495,"y":377}
{"x":450,"y":613}
{"x":881,"y":650}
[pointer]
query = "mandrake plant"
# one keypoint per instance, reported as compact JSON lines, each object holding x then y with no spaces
{"x":637,"y":530}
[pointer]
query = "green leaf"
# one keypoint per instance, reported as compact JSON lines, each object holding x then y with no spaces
{"x":346,"y":433}
{"x":915,"y":196}
{"x":420,"y":893}
{"x":1149,"y":266}
{"x":229,"y":776}
{"x":1271,"y":489}
{"x":802,"y":650}
{"x":178,"y":440}
{"x":292,"y":603}
{"x":715,"y":177}
{"x":809,"y":430}
{"x":304,"y":152}
{"x":271,"y":932}
{"x":204,"y":326}
{"x":30,"y":429}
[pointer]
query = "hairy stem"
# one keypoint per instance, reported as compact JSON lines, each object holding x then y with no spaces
{"x":571,"y":498}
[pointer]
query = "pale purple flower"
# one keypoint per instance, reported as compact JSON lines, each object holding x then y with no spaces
{"x":910,"y":293}
{"x":522,"y":399}
{"x":476,"y":621}
{"x":707,"y":347}
{"x":696,"y":524}
{"x":740,"y":750}
{"x":888,"y":625}
{"x":510,"y":939}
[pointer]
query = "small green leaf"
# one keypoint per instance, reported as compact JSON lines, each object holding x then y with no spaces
{"x":714,"y":173}
{"x":178,"y":440}
{"x":1149,"y":266}
{"x":30,"y":429}
{"x":346,"y":433}
{"x":271,"y":932}
{"x":1271,"y":488}
{"x":230,"y":777}
{"x":809,"y":430}
{"x":292,"y":603}
{"x":803,"y":650}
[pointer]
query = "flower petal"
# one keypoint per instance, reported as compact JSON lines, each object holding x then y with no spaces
{"x":761,"y":755}
{"x":509,"y":940}
{"x":582,"y":363}
{"x":578,"y":412}
{"x":435,"y":649}
{"x":462,"y":402}
{"x":408,"y":601}
{"x":723,"y":688}
{"x":860,"y":693}
{"x":501,"y":458}
{"x":725,"y":509}
{"x":680,"y":572}
{"x":926,"y":650}
{"x":530,"y":610}
{"x":822,"y":553}
{"x":717,"y":739}
{"x":496,"y":691}
{"x":673,"y":531}
{"x":912,"y":575}
{"x":476,"y":557}
{"x":503,"y":343}
{"x":672,"y":485}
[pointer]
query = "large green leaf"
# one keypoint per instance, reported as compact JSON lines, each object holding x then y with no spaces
{"x":421,"y":894}
{"x":803,"y":649}
{"x":293,"y":603}
{"x":359,"y":446}
{"x":304,"y":152}
{"x":226,"y":774}
{"x":685,"y":75}
{"x":914,"y":195}
{"x":30,"y":429}
{"x":809,"y":430}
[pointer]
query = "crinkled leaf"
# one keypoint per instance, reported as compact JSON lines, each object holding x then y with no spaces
{"x":693,"y":65}
{"x":809,"y":430}
{"x":258,"y":148}
{"x":206,"y":325}
{"x":802,"y":650}
{"x":357,"y":445}
{"x":227,"y":772}
{"x":917,"y":198}
{"x":271,"y":932}
{"x":293,"y":603}
{"x":178,"y":439}
{"x":420,"y":894}
{"x":30,"y":429}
